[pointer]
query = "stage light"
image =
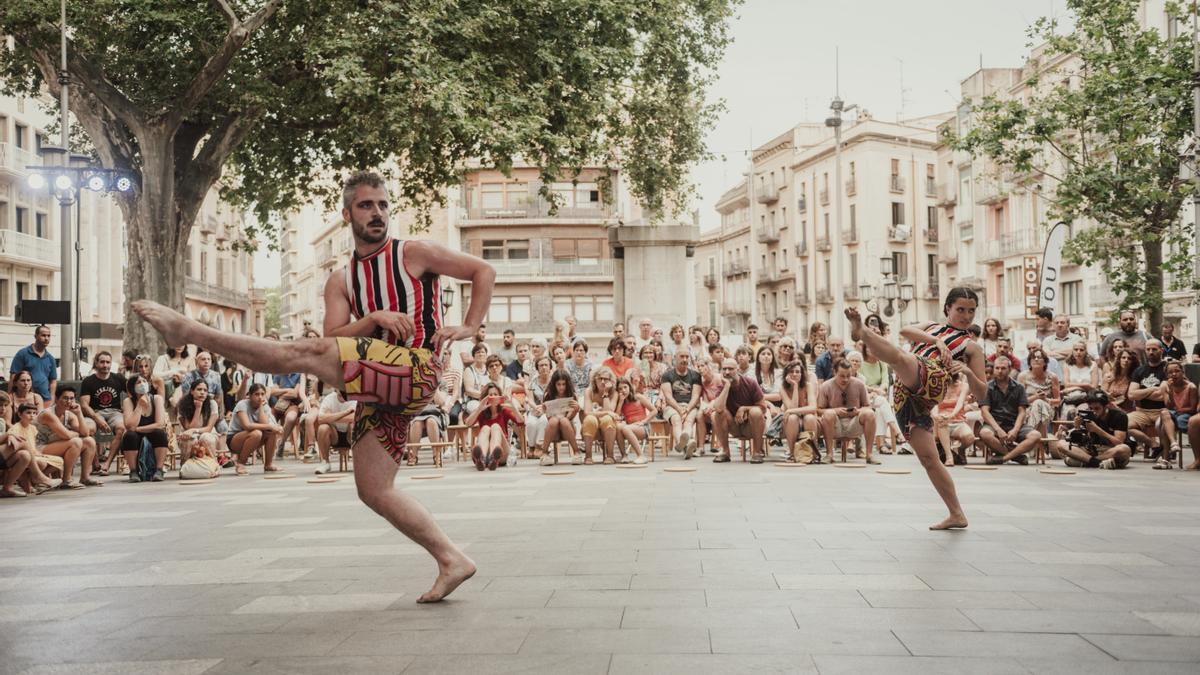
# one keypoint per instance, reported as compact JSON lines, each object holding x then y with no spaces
{"x":97,"y":183}
{"x":37,"y":181}
{"x":124,"y":184}
{"x":63,"y":182}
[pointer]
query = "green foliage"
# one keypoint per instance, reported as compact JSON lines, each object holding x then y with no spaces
{"x":327,"y":86}
{"x":274,"y":321}
{"x":1110,"y":113}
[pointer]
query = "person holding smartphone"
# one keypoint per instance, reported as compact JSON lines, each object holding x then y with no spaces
{"x":491,"y":421}
{"x":846,"y":412}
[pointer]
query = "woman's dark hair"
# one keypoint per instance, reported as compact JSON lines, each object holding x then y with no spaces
{"x":999,"y":332}
{"x":1134,"y":363}
{"x":552,"y":390}
{"x":1038,"y":353}
{"x":959,"y":293}
{"x":187,"y":405}
{"x":758,"y":364}
{"x":131,"y":384}
{"x":257,"y":386}
{"x":795,"y":365}
{"x":175,"y":354}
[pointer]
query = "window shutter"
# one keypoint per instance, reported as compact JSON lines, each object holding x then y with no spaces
{"x":563,"y":248}
{"x":589,"y":248}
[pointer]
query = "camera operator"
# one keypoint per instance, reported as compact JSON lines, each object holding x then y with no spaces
{"x":1098,"y":439}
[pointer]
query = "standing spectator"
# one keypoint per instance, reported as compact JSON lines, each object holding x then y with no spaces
{"x":172,"y":367}
{"x":39,"y":362}
{"x":1004,"y":418}
{"x":741,"y":412}
{"x":474,"y":377}
{"x":675,"y":341}
{"x":716,"y":353}
{"x":100,"y":401}
{"x":1043,"y":323}
{"x":508,"y":350}
{"x":1182,"y":401}
{"x":515,"y":369}
{"x":846,"y":411}
{"x":818,"y":333}
{"x":993,"y":332}
{"x":1173,"y":347}
{"x":1127,"y":331}
{"x":560,"y":425}
{"x":333,"y":426}
{"x":465,"y":349}
{"x":1041,"y":391}
{"x":1079,"y":378}
{"x":145,"y":419}
{"x":617,"y":361}
{"x":634,"y":426}
{"x":798,"y":406}
{"x":1149,"y":398}
{"x":21,"y":391}
{"x":199,"y":416}
{"x":600,"y":413}
{"x":204,"y":372}
{"x":61,"y":433}
{"x":252,"y":428}
{"x":535,"y":417}
{"x":1059,"y":345}
{"x":752,"y":340}
{"x":825,"y":363}
{"x":619,"y":330}
{"x":579,"y":367}
{"x":645,"y":334}
{"x":572,"y":336}
{"x":680,"y":394}
{"x":780,"y":324}
{"x":491,"y":421}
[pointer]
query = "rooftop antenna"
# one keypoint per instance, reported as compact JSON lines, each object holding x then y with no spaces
{"x":904,"y":91}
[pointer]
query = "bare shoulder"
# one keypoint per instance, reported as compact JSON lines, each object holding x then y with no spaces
{"x":336,"y":280}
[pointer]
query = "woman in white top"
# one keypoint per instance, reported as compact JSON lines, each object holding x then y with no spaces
{"x":172,"y":366}
{"x":474,"y":377}
{"x":992,"y":333}
{"x":1079,"y":376}
{"x":535,"y":417}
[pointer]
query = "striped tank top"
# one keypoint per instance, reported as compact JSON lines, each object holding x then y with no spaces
{"x":956,"y":339}
{"x":381,"y":282}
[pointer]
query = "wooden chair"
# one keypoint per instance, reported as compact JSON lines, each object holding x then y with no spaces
{"x":435,"y":447}
{"x":344,"y":457}
{"x":460,"y":436}
{"x":660,"y":435}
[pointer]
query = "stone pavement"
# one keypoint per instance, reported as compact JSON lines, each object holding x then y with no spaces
{"x":734,"y":568}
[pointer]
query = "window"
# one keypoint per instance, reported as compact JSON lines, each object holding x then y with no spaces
{"x":42,"y":291}
{"x":712,"y":312}
{"x":513,"y":195}
{"x":509,"y":309}
{"x":966,"y":203}
{"x":712,"y":266}
{"x":783,"y":221}
{"x":583,"y":307}
{"x":204,"y":266}
{"x":854,"y":271}
{"x":897,"y":213}
{"x":5,"y":308}
{"x":19,"y":138}
{"x":1072,"y":293}
{"x":900,"y":264}
{"x":504,"y":249}
{"x":966,"y":251}
{"x":41,"y":225}
{"x":931,"y":217}
{"x":1014,"y":288}
{"x":826,"y":232}
{"x":586,"y":251}
{"x":931,"y":265}
{"x":853,"y":218}
{"x":22,"y":291}
{"x":22,"y":219}
{"x":851,"y":170}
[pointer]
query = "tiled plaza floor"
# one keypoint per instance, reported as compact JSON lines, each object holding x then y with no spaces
{"x":735,"y":568}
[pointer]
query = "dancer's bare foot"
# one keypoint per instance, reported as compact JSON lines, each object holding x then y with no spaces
{"x":171,"y":324}
{"x":856,"y":325}
{"x":951,"y":523}
{"x":448,"y":579}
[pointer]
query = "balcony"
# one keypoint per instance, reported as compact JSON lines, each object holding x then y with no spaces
{"x":990,"y":190}
{"x":766,"y":275}
{"x":1009,"y":244}
{"x":899,"y":233}
{"x":824,"y":296}
{"x":767,"y":194}
{"x":789,"y":273}
{"x":216,"y":295}
{"x":931,"y":187}
{"x":931,"y":291}
{"x":823,"y":196}
{"x":13,"y":160}
{"x":946,"y":195}
{"x":207,"y":224}
{"x":823,"y":243}
{"x":536,"y":208}
{"x":710,"y":281}
{"x":948,"y":250}
{"x":27,"y":249}
{"x":850,"y":236}
{"x":896,"y":184}
{"x":767,"y":235}
{"x":851,"y":187}
{"x":733,"y":269}
{"x":734,"y":311}
{"x":931,"y":235}
{"x":802,"y":205}
{"x":802,"y":298}
{"x":548,"y":267}
{"x":801,"y":248}
{"x":850,"y":292}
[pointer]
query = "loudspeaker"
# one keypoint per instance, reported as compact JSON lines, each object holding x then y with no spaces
{"x":56,"y":312}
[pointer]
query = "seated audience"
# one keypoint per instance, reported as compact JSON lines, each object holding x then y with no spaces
{"x":491,"y":421}
{"x":61,"y":433}
{"x":696,"y":344}
{"x":1098,"y":438}
{"x":1149,"y":398}
{"x":142,"y":366}
{"x":798,"y":407}
{"x":559,"y":356}
{"x":600,"y":417}
{"x":1005,"y":430}
{"x":204,"y":371}
{"x":950,"y":423}
{"x":20,"y":460}
{"x":878,"y":377}
{"x":288,"y":400}
{"x":744,"y":358}
{"x":100,"y":401}
{"x":560,"y":424}
{"x":199,"y":460}
{"x":1052,"y":365}
{"x":198,"y":417}
{"x":535,"y":419}
{"x":475,"y":375}
{"x":515,"y":369}
{"x":170,"y":369}
{"x":711,"y":386}
{"x":145,"y":420}
{"x":825,"y":363}
{"x":680,"y":397}
{"x":1004,"y":351}
{"x":334,"y":419}
{"x":1181,"y":401}
{"x":1110,"y":350}
{"x":1119,"y":379}
{"x":617,"y":362}
{"x":1079,"y":378}
{"x":634,"y":426}
{"x":21,"y":391}
{"x":990,"y":336}
{"x":1060,"y":345}
{"x":716,"y":353}
{"x":233,"y":384}
{"x":579,"y":367}
{"x":650,"y":372}
{"x":818,"y":333}
{"x":740,"y":411}
{"x":1041,"y":390}
{"x":252,"y":428}
{"x":846,"y":412}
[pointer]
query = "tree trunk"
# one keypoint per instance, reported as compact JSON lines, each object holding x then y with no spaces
{"x":1152,"y":250}
{"x":155,"y":243}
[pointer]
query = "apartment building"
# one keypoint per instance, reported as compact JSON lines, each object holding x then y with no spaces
{"x":725,"y":296}
{"x":218,"y":275}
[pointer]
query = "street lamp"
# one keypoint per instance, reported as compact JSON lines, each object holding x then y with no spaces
{"x":447,"y":298}
{"x":835,"y":122}
{"x":897,"y":293}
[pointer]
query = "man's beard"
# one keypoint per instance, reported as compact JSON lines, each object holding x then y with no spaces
{"x":362,"y":232}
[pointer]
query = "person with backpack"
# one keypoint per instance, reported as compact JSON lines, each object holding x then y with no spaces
{"x":145,"y":422}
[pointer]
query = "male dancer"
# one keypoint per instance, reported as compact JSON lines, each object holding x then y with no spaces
{"x":383,"y":348}
{"x":940,"y":353}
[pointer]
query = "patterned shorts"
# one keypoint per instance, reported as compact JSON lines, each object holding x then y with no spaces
{"x":390,"y":384}
{"x":913,"y":406}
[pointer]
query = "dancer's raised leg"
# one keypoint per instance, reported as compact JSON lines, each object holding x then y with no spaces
{"x":904,"y":364}
{"x":318,"y":356}
{"x":375,"y":475}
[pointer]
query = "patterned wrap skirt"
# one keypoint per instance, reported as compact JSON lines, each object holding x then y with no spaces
{"x":913,"y":407}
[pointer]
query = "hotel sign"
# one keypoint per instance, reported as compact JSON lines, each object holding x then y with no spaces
{"x":1030,"y":278}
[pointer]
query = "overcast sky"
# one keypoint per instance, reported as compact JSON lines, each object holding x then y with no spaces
{"x":779,"y":70}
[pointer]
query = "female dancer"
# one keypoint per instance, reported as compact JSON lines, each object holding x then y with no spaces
{"x":940,"y":352}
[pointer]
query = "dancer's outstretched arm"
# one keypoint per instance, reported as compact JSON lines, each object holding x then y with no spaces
{"x":422,"y":257}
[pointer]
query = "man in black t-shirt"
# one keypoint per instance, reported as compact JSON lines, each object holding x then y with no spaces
{"x":680,"y":395}
{"x":1145,"y":389}
{"x":1173,"y":347}
{"x":1098,"y":439}
{"x":100,"y":401}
